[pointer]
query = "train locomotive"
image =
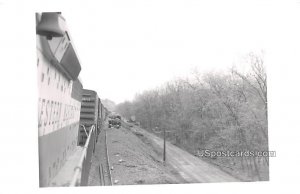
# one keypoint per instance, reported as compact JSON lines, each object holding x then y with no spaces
{"x":66,"y":111}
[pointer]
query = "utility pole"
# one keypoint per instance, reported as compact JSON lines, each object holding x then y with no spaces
{"x":164,"y":146}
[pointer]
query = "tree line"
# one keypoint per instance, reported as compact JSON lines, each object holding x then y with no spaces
{"x":215,"y":111}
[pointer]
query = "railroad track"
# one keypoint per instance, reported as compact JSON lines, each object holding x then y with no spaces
{"x":104,"y":167}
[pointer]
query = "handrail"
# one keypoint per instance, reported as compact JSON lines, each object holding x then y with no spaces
{"x":78,"y":168}
{"x":84,"y":129}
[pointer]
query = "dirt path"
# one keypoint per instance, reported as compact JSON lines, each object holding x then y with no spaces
{"x":134,"y":161}
{"x":191,"y":168}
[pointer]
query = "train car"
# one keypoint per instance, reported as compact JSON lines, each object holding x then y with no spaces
{"x":60,"y":93}
{"x":100,"y":115}
{"x":89,"y":115}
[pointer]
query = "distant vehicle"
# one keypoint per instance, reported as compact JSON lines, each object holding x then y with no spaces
{"x":114,"y":121}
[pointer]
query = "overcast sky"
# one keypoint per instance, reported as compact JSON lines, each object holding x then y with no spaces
{"x":129,"y":46}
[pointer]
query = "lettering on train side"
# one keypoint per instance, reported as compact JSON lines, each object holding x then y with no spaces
{"x":59,"y":110}
{"x":52,"y":112}
{"x":47,"y":112}
{"x":41,"y":111}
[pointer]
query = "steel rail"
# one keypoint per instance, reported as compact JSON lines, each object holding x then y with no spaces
{"x":107,"y":160}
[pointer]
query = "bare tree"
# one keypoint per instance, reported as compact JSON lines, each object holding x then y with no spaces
{"x":226,"y":111}
{"x":257,"y":78}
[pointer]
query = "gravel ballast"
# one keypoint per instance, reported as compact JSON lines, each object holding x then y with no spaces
{"x":133,"y":160}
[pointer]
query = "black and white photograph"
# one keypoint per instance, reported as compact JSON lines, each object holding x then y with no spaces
{"x":148,"y":94}
{"x":205,"y":127}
